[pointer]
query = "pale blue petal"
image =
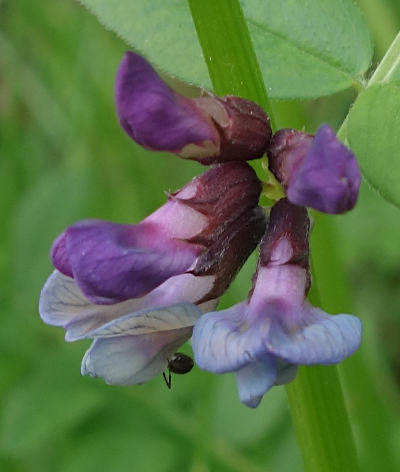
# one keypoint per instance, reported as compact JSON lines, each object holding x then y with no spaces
{"x":132,"y":360}
{"x":150,"y":320}
{"x":62,"y":303}
{"x":255,"y":379}
{"x":318,"y":338}
{"x":223,"y":341}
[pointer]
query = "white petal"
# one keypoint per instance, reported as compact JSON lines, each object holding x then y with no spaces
{"x":62,"y":303}
{"x":150,"y":320}
{"x":132,"y":360}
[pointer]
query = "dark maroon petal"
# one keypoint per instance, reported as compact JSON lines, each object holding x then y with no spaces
{"x":153,"y":114}
{"x":229,"y":252}
{"x":286,"y":151}
{"x":244,"y":128}
{"x":291,"y":222}
{"x":113,"y":262}
{"x":59,"y":256}
{"x":227,"y":195}
{"x":329,"y":178}
{"x":223,"y":194}
{"x":286,"y":240}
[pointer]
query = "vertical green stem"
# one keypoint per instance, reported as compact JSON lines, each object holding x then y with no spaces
{"x":316,"y":398}
{"x":367,"y":407}
{"x":389,"y":64}
{"x":228,"y":50}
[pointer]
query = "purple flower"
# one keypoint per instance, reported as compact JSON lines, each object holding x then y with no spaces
{"x":137,"y":290}
{"x":207,"y":129}
{"x":319,"y":172}
{"x":114,"y":262}
{"x":265,"y":338}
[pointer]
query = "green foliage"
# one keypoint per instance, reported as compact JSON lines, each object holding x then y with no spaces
{"x":309,"y":48}
{"x":305,"y":48}
{"x":373,"y":134}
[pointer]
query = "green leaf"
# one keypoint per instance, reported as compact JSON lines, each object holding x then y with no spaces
{"x":40,"y":407}
{"x":306,"y":48}
{"x":373,"y":135}
{"x":161,"y":30}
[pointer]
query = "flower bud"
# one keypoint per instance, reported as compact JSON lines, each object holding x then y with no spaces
{"x":318,"y":172}
{"x":207,"y":129}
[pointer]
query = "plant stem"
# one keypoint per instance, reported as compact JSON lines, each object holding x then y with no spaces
{"x":228,"y":50}
{"x":368,"y":411}
{"x":315,"y":398}
{"x":388,"y":65}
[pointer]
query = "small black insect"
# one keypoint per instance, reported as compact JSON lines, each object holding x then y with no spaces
{"x":179,"y":363}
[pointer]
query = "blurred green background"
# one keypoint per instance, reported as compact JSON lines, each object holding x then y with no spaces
{"x":63,"y":157}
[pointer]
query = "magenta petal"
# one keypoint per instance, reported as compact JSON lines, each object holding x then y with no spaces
{"x":113,"y":262}
{"x":152,"y":114}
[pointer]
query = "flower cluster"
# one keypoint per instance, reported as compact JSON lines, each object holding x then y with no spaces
{"x":140,"y":291}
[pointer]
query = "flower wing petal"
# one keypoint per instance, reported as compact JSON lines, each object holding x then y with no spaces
{"x":150,"y":320}
{"x":132,"y":360}
{"x":318,"y":338}
{"x":62,"y":303}
{"x":223,"y":342}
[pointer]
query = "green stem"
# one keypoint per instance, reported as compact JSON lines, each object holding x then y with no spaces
{"x":368,"y":411}
{"x":321,"y":421}
{"x":316,"y":398}
{"x":389,"y":63}
{"x":228,"y":50}
{"x":383,"y":73}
